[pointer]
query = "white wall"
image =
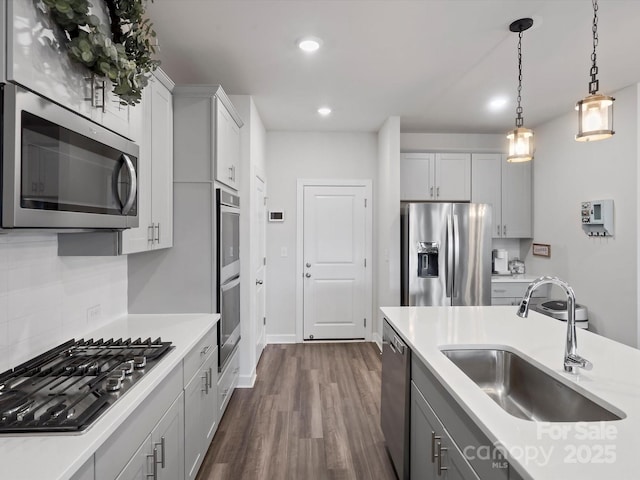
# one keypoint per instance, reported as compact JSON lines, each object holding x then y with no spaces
{"x":44,"y":298}
{"x":387,"y":223}
{"x":453,"y":142}
{"x":602,"y":271}
{"x":306,"y":155}
{"x":252,"y":163}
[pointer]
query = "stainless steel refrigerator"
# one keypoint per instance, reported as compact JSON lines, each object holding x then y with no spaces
{"x":446,"y":253}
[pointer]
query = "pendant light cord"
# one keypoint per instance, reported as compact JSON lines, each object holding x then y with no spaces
{"x":594,"y":84}
{"x":519,"y":119}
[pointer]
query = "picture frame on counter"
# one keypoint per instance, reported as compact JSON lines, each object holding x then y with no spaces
{"x":542,"y":249}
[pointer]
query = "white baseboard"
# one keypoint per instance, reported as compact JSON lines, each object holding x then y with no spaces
{"x":247,"y":381}
{"x":378,"y":340}
{"x":271,"y":339}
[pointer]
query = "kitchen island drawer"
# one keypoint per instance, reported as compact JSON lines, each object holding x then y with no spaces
{"x":463,"y":431}
{"x":197,"y":356}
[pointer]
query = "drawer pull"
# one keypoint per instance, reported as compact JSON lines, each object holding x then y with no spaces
{"x":499,"y":290}
{"x":154,"y":459}
{"x":205,"y":350}
{"x":434,"y":437}
{"x":205,"y":389}
{"x":440,"y":450}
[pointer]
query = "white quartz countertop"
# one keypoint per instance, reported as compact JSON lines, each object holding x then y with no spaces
{"x":521,"y":278}
{"x":59,"y":456}
{"x":587,"y":450}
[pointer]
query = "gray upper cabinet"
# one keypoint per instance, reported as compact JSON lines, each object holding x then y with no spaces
{"x":441,"y":177}
{"x":208,"y":131}
{"x":507,"y":187}
{"x":155,"y":171}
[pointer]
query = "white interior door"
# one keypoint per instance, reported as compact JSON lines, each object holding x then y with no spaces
{"x":334,"y":249}
{"x":259,"y":261}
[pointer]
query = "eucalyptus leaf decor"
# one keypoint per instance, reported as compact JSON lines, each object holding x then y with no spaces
{"x":120,"y":52}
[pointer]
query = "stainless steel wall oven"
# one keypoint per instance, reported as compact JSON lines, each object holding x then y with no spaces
{"x":228,"y":261}
{"x":61,"y":170}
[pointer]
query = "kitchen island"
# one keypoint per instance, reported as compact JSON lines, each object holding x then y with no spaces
{"x":64,"y":456}
{"x":533,"y":450}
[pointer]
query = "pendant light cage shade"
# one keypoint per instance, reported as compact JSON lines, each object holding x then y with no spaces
{"x":520,"y":145}
{"x":595,"y":118}
{"x":520,"y":138}
{"x":595,"y":111}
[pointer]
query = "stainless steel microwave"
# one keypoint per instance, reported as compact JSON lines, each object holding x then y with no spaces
{"x":61,"y":170}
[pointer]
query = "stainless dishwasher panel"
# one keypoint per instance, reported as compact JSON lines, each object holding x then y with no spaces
{"x":395,"y":398}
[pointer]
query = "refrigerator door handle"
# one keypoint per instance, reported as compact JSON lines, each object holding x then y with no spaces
{"x":456,"y":255}
{"x":450,"y":253}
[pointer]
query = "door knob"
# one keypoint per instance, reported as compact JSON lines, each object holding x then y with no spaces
{"x":308,"y":265}
{"x":308,"y":275}
{"x":258,"y":282}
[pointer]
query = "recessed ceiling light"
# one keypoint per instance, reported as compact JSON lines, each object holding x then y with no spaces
{"x":324,"y":111}
{"x":309,"y":44}
{"x":497,"y":104}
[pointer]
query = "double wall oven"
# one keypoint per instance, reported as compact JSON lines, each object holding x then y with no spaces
{"x":228,"y":256}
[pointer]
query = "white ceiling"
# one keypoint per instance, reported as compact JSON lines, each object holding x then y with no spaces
{"x":435,"y":63}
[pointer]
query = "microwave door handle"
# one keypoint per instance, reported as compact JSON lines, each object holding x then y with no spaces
{"x":134,"y":184}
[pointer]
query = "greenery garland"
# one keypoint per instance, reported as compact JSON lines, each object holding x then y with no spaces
{"x":121,"y":53}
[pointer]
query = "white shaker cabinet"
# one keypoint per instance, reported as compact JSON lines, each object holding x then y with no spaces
{"x":37,"y":59}
{"x":227,"y":147}
{"x":444,"y":177}
{"x":155,"y":171}
{"x":200,"y":402}
{"x":140,"y":464}
{"x":507,"y":187}
{"x":209,"y":130}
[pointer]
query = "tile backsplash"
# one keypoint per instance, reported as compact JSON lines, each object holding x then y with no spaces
{"x":46,"y":300}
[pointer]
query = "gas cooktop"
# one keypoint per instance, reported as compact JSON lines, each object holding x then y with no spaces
{"x":67,"y":388}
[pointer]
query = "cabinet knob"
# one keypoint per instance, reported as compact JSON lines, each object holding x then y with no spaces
{"x":308,"y":275}
{"x":308,"y":265}
{"x":259,"y":282}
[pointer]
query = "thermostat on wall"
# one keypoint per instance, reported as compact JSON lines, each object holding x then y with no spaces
{"x":276,"y":215}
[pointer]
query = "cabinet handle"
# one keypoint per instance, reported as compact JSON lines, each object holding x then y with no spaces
{"x":210,"y":377}
{"x":504,"y":231}
{"x":434,"y":437}
{"x":206,"y":384}
{"x":150,"y":233}
{"x":431,"y":192}
{"x":438,"y":192}
{"x":498,"y":230}
{"x":231,"y":173}
{"x":440,"y":450}
{"x":157,"y":228}
{"x":497,"y":290}
{"x":233,"y":169}
{"x":205,"y":350}
{"x":154,"y":457}
{"x":161,"y":445}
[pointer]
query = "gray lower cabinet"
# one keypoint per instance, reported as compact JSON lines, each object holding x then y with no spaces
{"x":86,"y":472}
{"x":139,"y":464}
{"x":201,"y":413}
{"x":161,"y":454}
{"x":445,"y":442}
{"x":433,"y":453}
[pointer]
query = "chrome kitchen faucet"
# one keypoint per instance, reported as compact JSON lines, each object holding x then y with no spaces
{"x":572,"y":360}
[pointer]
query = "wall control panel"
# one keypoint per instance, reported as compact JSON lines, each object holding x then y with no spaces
{"x":597,"y":218}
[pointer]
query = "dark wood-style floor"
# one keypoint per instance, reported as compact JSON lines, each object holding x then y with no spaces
{"x":314,"y":413}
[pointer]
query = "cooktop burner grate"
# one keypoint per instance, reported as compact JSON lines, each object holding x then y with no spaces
{"x":71,"y":385}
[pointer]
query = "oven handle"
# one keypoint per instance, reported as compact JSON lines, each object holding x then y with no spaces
{"x":229,"y":284}
{"x":126,"y":162}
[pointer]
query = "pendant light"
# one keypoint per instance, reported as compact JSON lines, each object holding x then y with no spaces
{"x":520,"y":139}
{"x":595,"y":112}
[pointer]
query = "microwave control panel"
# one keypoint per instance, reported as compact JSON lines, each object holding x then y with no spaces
{"x":597,"y":218}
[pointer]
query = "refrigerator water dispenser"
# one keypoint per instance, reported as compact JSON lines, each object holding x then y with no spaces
{"x":427,"y":259}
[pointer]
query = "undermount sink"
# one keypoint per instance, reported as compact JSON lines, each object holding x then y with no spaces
{"x":524,"y":390}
